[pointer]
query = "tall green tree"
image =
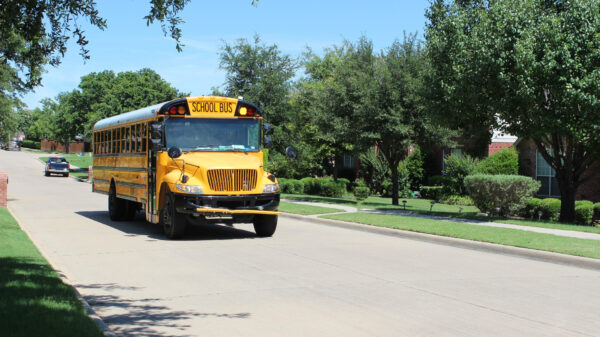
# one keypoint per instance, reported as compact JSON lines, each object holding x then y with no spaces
{"x":527,"y":67}
{"x":262,"y":75}
{"x":374,"y":99}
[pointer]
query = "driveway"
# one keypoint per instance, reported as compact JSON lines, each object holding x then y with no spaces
{"x":308,"y":280}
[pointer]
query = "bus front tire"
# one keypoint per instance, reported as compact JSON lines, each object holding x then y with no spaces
{"x":172,"y":222}
{"x":116,"y":206}
{"x":265,"y":225}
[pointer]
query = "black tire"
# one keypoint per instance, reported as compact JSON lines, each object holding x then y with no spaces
{"x":46,"y":173}
{"x":116,"y":206}
{"x":130,"y":210}
{"x":265,"y":225}
{"x":172,"y":222}
{"x":66,"y":175}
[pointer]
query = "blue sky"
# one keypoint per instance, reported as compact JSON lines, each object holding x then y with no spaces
{"x":128,"y":45}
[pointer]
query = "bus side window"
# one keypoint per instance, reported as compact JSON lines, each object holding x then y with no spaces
{"x":127,"y":138}
{"x":139,"y":138}
{"x":144,"y":136}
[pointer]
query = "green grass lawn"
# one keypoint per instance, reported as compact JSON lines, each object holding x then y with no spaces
{"x":549,"y":224}
{"x":504,"y":236}
{"x":290,"y":207}
{"x":33,"y":299}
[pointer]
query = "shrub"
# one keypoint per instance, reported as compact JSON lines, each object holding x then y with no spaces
{"x":597,"y":210}
{"x":533,"y":205}
{"x":361,"y":193}
{"x":346,"y":183}
{"x":449,"y":185}
{"x":458,"y":168}
{"x":508,"y":193}
{"x":312,"y":185}
{"x":333,"y":189}
{"x":30,"y":144}
{"x":584,"y":212}
{"x":505,"y":161}
{"x":414,"y":166}
{"x":550,"y":208}
{"x":431,"y":192}
{"x":376,"y":169}
{"x":292,"y":186}
{"x":457,"y":200}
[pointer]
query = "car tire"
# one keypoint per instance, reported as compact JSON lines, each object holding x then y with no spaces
{"x":66,"y":175}
{"x":265,"y":225}
{"x":172,"y":222}
{"x":116,"y":206}
{"x":46,"y":173}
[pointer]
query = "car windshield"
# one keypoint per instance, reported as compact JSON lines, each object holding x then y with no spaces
{"x":58,"y":160}
{"x":212,"y":134}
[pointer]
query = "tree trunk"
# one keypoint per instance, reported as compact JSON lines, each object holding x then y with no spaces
{"x":568,"y":189}
{"x":394,"y":169}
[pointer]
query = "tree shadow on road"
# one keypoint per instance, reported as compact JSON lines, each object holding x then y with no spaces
{"x":140,"y":227}
{"x":143,"y":317}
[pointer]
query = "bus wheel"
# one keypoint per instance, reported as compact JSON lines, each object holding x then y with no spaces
{"x":173,"y":223}
{"x":116,"y":206}
{"x":265,"y":225}
{"x":131,"y":208}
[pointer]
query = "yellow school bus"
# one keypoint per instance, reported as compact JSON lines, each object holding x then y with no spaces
{"x":191,"y":160}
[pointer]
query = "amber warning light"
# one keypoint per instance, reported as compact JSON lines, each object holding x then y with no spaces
{"x":247,"y":111}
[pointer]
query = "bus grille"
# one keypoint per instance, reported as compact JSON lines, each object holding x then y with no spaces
{"x":232,"y":180}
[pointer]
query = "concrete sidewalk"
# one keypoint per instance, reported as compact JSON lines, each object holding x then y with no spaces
{"x":557,"y":232}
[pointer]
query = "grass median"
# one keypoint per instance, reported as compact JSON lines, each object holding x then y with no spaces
{"x":33,"y":299}
{"x":503,"y":236}
{"x":290,"y":207}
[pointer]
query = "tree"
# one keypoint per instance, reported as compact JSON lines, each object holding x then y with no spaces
{"x":527,"y":67}
{"x":262,"y":75}
{"x":374,"y":100}
{"x":35,"y":33}
{"x":105,"y":94}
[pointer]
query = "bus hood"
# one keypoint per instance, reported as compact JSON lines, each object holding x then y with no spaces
{"x":219,"y":160}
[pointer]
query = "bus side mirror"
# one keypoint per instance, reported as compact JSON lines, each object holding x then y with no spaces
{"x":267,"y":142}
{"x":290,"y":152}
{"x":267,"y":129}
{"x":156,"y":133}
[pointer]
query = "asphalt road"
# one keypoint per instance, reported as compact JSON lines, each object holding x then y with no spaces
{"x":308,"y":280}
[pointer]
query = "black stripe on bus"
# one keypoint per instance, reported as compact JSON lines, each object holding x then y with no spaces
{"x":115,"y":168}
{"x":127,"y":197}
{"x":101,"y":180}
{"x":122,"y":183}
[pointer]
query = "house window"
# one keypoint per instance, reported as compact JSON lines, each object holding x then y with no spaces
{"x":348,"y":161}
{"x":447,"y":152}
{"x":546,"y":175}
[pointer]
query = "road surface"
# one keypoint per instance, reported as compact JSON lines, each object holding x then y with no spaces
{"x":308,"y":280}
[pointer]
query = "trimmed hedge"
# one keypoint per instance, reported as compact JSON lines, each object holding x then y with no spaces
{"x":597,"y":211}
{"x":458,"y":200}
{"x":30,"y":144}
{"x":550,"y":208}
{"x":501,"y":194}
{"x":291,"y":186}
{"x":361,"y":193}
{"x":505,"y":161}
{"x":584,"y":213}
{"x":431,"y":192}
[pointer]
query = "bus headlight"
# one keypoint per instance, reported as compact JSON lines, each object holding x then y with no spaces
{"x":271,"y":188}
{"x":191,"y":189}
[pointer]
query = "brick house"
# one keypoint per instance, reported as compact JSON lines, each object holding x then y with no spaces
{"x":532,"y":164}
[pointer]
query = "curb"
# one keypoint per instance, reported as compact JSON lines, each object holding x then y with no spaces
{"x":88,"y":309}
{"x":532,"y":254}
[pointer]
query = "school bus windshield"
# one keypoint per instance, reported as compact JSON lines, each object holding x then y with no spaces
{"x":211,"y":134}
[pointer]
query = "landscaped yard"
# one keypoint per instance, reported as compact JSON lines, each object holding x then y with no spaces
{"x":290,"y":207}
{"x":33,"y":299}
{"x":504,"y":236}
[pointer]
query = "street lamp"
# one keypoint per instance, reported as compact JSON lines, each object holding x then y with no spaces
{"x":404,"y":203}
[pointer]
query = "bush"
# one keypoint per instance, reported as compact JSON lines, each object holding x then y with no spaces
{"x":597,"y":210}
{"x":334,"y":189}
{"x":376,"y":169}
{"x":414,"y":165}
{"x":508,"y":193}
{"x":312,"y":185}
{"x":361,"y":193}
{"x":550,"y":208}
{"x":291,"y":186}
{"x":457,"y":200}
{"x":505,"y":161}
{"x":458,"y":168}
{"x":584,"y":212}
{"x":533,"y":205}
{"x":431,"y":192}
{"x":346,"y":183}
{"x":450,"y":186}
{"x":30,"y":144}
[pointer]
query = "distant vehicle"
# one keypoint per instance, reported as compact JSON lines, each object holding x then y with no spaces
{"x":57,"y":165}
{"x":13,"y":145}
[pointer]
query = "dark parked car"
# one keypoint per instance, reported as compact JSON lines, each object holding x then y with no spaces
{"x":57,"y":165}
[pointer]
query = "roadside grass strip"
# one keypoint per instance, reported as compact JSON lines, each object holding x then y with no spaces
{"x":503,"y":236}
{"x":82,"y":162}
{"x":290,"y":207}
{"x":552,"y":225}
{"x":33,"y":299}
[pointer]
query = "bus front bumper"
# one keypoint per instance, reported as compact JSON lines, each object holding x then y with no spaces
{"x":210,"y":205}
